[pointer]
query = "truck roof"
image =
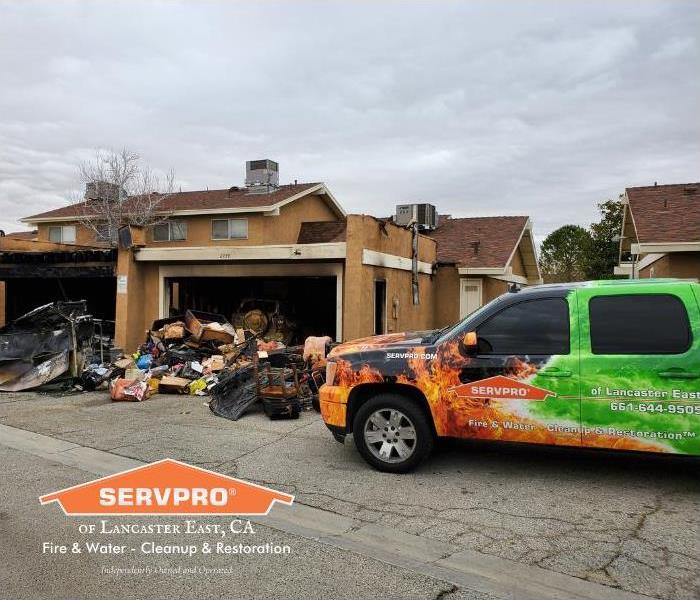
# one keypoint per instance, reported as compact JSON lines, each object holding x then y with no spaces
{"x":622,"y":283}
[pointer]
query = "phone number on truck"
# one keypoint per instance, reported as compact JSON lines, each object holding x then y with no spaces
{"x":650,"y":407}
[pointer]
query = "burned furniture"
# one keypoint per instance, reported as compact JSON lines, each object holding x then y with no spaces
{"x":279,"y":390}
{"x":266,"y":318}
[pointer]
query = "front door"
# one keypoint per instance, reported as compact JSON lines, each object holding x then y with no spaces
{"x":470,"y":296}
{"x":522,"y":384}
{"x":640,"y":369}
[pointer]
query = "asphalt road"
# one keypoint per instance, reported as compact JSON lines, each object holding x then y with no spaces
{"x":626,"y":521}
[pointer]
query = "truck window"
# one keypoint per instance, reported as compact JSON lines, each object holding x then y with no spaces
{"x":639,"y":324}
{"x":530,"y":327}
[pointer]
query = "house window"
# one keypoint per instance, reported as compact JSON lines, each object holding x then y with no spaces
{"x":62,"y":234}
{"x":104,"y":233}
{"x":170,"y":231}
{"x":229,"y":229}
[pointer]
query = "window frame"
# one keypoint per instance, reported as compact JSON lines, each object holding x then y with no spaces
{"x":228,"y":229}
{"x":525,"y":301}
{"x":675,"y":297}
{"x":170,"y":224}
{"x":62,"y":236}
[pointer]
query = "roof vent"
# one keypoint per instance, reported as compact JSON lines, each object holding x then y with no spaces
{"x":262,"y":176}
{"x":424,"y":215}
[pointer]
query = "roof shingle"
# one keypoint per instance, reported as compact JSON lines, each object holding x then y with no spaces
{"x":202,"y":199}
{"x":666,"y":213}
{"x":496,"y":236}
{"x":319,"y":232}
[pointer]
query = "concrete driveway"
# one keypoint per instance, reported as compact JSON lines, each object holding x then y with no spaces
{"x":624,"y":521}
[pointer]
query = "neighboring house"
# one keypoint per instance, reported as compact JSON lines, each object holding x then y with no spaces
{"x":661,"y":232}
{"x":478,"y":258}
{"x":341,"y":275}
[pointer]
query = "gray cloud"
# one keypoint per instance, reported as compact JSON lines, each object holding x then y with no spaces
{"x":541,"y":108}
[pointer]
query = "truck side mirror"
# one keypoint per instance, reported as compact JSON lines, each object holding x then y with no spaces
{"x":470,"y":341}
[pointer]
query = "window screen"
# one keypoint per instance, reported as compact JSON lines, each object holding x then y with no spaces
{"x":68,"y":234}
{"x":530,"y":327}
{"x":238,"y":228}
{"x":219,"y":229}
{"x":55,"y":234}
{"x":178,"y":230}
{"x":161,"y":232}
{"x":639,"y":324}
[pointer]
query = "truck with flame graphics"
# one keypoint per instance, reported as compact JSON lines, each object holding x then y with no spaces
{"x":604,"y":364}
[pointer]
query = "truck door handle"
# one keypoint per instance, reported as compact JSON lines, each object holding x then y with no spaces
{"x":678,"y":374}
{"x":554,"y":372}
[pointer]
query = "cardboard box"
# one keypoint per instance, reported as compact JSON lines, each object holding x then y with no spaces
{"x":173,"y":385}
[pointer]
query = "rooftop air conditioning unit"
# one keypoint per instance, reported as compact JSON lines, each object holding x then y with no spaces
{"x":424,"y":215}
{"x":262,"y":175}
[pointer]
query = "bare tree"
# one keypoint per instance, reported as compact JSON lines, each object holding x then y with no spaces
{"x":120,"y":190}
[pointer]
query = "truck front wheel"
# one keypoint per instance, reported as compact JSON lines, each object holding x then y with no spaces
{"x":392,"y":433}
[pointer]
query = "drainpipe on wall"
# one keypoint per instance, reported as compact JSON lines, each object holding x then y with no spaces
{"x":414,"y":265}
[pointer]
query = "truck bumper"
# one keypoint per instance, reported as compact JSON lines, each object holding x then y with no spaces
{"x":333,"y":412}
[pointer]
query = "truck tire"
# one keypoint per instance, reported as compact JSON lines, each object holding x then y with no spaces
{"x":392,"y":433}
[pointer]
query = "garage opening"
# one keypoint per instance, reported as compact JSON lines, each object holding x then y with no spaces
{"x":306,"y":305}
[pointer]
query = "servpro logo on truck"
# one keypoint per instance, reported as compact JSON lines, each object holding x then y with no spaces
{"x":167,"y":487}
{"x":501,"y":388}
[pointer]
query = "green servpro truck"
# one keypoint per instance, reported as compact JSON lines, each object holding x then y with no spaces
{"x":607,"y":364}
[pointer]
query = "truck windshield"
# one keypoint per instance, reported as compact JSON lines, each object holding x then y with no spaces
{"x":464,"y":325}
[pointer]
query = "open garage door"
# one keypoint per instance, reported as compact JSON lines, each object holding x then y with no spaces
{"x":307,"y":304}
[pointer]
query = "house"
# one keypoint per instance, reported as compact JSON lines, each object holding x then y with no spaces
{"x":660,"y":234}
{"x":346,"y":276}
{"x":478,"y":258}
{"x":37,"y":271}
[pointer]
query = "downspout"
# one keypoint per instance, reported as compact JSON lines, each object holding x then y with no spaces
{"x":414,"y":265}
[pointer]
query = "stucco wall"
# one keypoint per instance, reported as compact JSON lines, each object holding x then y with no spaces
{"x":447,"y":292}
{"x":517,"y":263}
{"x":365,"y":232}
{"x":262,"y":230}
{"x":84,"y":236}
{"x":679,"y":264}
{"x":493,"y":288}
{"x":446,"y":296}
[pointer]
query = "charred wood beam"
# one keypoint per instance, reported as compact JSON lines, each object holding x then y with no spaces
{"x":28,"y":271}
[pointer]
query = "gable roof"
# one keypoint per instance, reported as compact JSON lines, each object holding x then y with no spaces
{"x":496,"y":237}
{"x":665,"y":213}
{"x":208,"y":201}
{"x":319,"y":232}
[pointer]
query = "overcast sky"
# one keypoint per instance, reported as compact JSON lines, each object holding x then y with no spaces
{"x":482,"y":108}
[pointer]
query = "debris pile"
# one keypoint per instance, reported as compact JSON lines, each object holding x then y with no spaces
{"x":197,"y":353}
{"x":201,"y":353}
{"x":49,"y":343}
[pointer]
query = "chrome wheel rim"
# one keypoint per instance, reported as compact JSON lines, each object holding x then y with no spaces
{"x":390,"y":435}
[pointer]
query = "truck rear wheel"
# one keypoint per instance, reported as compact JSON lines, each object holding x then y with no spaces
{"x":392,"y":433}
